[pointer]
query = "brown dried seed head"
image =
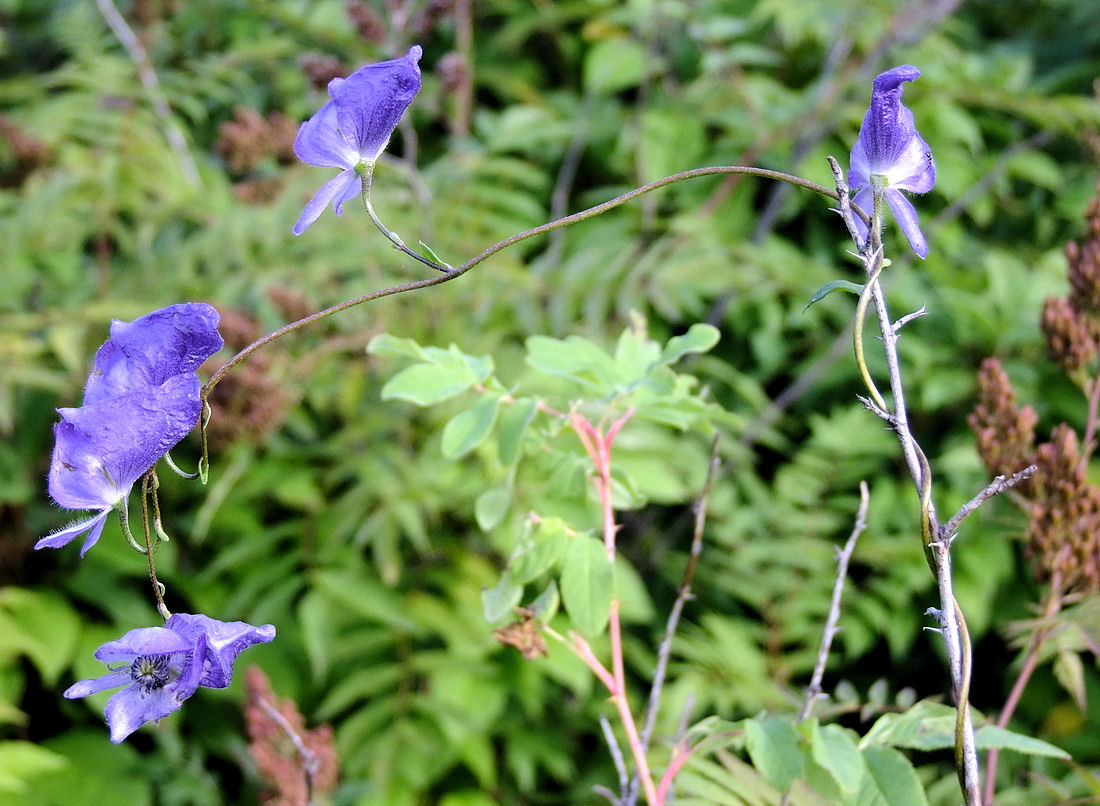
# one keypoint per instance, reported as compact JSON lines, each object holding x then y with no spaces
{"x":1084,"y":262}
{"x":1005,"y":433}
{"x":366,"y":21}
{"x":1072,"y":337}
{"x":321,"y":69}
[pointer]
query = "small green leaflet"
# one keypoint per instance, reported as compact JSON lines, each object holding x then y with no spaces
{"x":835,"y":285}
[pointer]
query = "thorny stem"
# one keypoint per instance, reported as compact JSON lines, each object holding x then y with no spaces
{"x":1031,"y":660}
{"x":937,"y":544}
{"x":450,"y":274}
{"x":665,"y":648}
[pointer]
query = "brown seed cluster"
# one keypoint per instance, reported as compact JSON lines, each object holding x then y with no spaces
{"x":366,"y":21}
{"x":1005,"y":432}
{"x":20,"y":154}
{"x":321,"y":69}
{"x":1071,"y":325}
{"x":250,"y":138}
{"x":1065,"y":515}
{"x":248,"y":403}
{"x":1064,"y":533}
{"x":293,"y":777}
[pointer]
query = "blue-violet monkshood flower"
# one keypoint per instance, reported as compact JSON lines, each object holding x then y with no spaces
{"x":140,"y":400}
{"x":161,"y":667}
{"x":890,"y":147}
{"x":352,"y":129}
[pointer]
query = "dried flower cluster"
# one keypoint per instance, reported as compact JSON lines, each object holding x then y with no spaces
{"x":292,"y":777}
{"x":20,"y":154}
{"x":250,"y":138}
{"x":1064,"y":533}
{"x":1072,"y":325}
{"x":248,"y":403}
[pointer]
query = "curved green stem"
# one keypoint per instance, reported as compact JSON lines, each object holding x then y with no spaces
{"x":857,"y":333}
{"x":458,"y":271}
{"x":366,"y":171}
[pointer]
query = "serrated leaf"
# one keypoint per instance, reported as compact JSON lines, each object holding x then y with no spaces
{"x":511,"y":426}
{"x":772,"y":744}
{"x":468,"y":429}
{"x":894,"y":777}
{"x":990,"y":736}
{"x":539,"y":549}
{"x":587,"y":583}
{"x":835,"y":285}
{"x":699,"y":339}
{"x":498,"y":601}
{"x":492,"y":505}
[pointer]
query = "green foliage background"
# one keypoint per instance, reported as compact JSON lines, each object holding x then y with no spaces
{"x":348,"y":528}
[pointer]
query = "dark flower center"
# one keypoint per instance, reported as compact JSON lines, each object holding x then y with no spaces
{"x":150,"y":671}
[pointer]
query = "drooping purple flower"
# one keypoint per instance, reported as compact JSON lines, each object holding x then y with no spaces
{"x":140,"y":400}
{"x":161,"y":667}
{"x":890,"y":147}
{"x":352,"y":130}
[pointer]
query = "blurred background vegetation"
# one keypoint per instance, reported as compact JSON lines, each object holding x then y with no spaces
{"x":335,"y":516}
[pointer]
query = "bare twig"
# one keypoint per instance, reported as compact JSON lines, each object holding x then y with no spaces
{"x":620,"y":763}
{"x":843,"y":557}
{"x":148,"y":77}
{"x":909,"y":317}
{"x":665,"y":648}
{"x":998,"y":485}
{"x":311,"y":763}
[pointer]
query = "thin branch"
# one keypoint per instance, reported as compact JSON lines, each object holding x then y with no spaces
{"x":995,"y":487}
{"x":843,"y":557}
{"x":909,"y":317}
{"x":148,"y":77}
{"x":311,"y":762}
{"x":617,"y":757}
{"x":447,"y":276}
{"x":664,"y":650}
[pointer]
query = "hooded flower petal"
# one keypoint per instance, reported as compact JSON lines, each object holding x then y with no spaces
{"x":165,"y":666}
{"x":890,"y":146}
{"x":141,"y":399}
{"x":371,"y":101}
{"x":217,"y":644}
{"x":354,"y":127}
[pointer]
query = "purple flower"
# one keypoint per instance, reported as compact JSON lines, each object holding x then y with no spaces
{"x":161,"y":667}
{"x":140,"y":400}
{"x":352,"y":129}
{"x":890,"y":147}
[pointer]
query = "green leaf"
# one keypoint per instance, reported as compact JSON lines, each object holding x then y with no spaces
{"x":470,"y":428}
{"x":498,"y":601}
{"x":539,"y":549}
{"x":430,"y":254}
{"x":772,"y":744}
{"x":894,"y":776}
{"x":492,"y":505}
{"x":545,"y":607}
{"x":990,"y":736}
{"x":42,"y":626}
{"x":393,"y":347}
{"x":587,"y":582}
{"x":575,"y":358}
{"x":699,"y":339}
{"x":634,"y":353}
{"x":835,"y":748}
{"x":511,"y":426}
{"x":614,"y":64}
{"x":1069,"y":671}
{"x":835,"y":285}
{"x":425,"y":384}
{"x":22,"y":762}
